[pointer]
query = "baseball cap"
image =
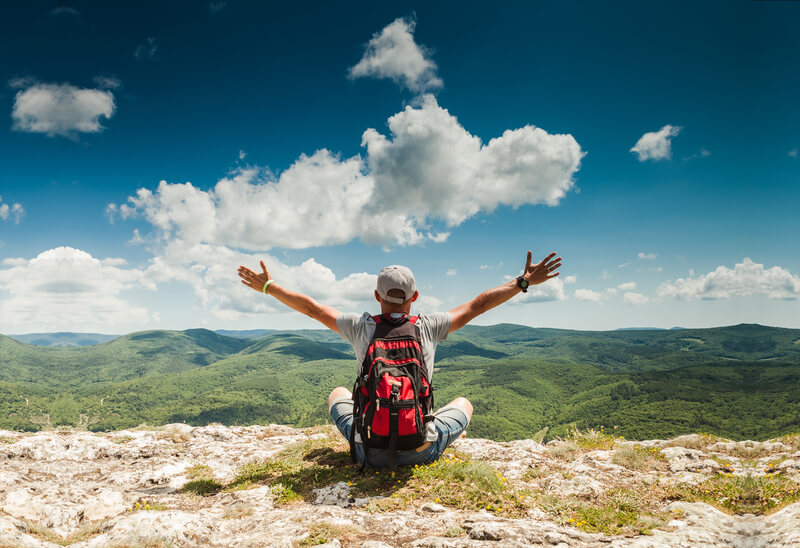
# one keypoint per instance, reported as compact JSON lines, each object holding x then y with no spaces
{"x":396,"y":277}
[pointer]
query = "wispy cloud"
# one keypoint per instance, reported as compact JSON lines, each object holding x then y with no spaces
{"x":60,"y":109}
{"x":146,"y":51}
{"x":704,"y":153}
{"x":656,"y":145}
{"x":216,"y":7}
{"x":745,"y":278}
{"x":452,"y":272}
{"x":65,"y":10}
{"x":107,"y":82}
{"x":793,"y":153}
{"x":392,"y":53}
{"x":647,"y":256}
{"x":14,"y":211}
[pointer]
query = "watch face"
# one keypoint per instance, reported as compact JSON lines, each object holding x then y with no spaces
{"x":522,"y":282}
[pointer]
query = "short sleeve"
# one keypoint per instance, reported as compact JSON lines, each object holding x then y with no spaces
{"x":357,"y":330}
{"x":436,"y":326}
{"x":347,"y":324}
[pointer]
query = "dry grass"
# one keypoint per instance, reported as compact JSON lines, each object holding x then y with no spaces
{"x":792,"y":440}
{"x":694,"y":441}
{"x":638,"y":457}
{"x":174,"y":435}
{"x":237,"y":511}
{"x":199,"y":471}
{"x":748,"y":450}
{"x":86,"y":531}
{"x":323,"y":532}
{"x":120,"y":440}
{"x":593,"y":440}
{"x":562,"y":450}
{"x":618,"y":511}
{"x":742,"y":494}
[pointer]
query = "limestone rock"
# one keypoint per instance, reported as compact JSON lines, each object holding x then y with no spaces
{"x":124,"y":489}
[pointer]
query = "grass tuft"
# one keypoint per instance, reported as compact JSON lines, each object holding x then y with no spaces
{"x":618,"y":511}
{"x":202,"y":487}
{"x":742,"y":494}
{"x":324,"y":532}
{"x":592,"y":439}
{"x":638,"y":457}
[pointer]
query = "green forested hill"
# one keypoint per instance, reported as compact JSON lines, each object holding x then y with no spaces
{"x":739,"y":381}
{"x":136,"y":355}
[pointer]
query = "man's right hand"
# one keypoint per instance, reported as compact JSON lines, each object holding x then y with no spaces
{"x":253,"y":280}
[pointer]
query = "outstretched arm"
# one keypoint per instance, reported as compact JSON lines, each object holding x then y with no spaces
{"x":302,"y":303}
{"x":534,"y":273}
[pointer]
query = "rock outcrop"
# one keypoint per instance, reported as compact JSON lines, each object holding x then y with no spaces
{"x":185,"y":486}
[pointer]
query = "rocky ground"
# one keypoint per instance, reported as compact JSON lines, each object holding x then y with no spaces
{"x":279,"y":486}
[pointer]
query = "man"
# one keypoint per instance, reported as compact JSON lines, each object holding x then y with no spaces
{"x":396,"y":291}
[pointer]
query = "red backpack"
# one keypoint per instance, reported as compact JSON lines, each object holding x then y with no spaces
{"x":392,"y":395}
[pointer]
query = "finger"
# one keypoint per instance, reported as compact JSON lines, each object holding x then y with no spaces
{"x":547,"y":259}
{"x":263,"y":267}
{"x":528,"y":261}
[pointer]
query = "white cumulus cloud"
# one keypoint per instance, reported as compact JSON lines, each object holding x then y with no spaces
{"x":211,"y":272}
{"x":589,"y":295}
{"x":627,"y":286}
{"x":656,"y":145}
{"x":429,"y":169}
{"x":745,"y":278}
{"x":61,"y":109}
{"x":635,"y":298}
{"x":68,"y":289}
{"x":552,"y":290}
{"x":393,"y":53}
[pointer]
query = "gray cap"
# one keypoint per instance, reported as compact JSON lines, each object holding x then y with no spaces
{"x":396,"y":277}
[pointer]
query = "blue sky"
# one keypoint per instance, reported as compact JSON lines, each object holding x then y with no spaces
{"x":653,"y":145}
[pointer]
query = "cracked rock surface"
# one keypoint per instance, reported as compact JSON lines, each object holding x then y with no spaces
{"x":81,"y":489}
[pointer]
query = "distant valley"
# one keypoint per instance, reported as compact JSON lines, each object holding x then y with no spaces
{"x":738,"y":381}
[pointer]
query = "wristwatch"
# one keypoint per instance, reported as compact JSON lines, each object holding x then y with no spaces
{"x":523,"y":284}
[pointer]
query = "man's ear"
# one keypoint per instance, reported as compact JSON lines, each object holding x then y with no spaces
{"x":415,"y":296}
{"x":377,"y":296}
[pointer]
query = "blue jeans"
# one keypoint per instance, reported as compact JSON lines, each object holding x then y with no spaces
{"x":450,"y":422}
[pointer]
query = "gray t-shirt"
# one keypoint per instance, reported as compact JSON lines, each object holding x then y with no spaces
{"x":358,"y":330}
